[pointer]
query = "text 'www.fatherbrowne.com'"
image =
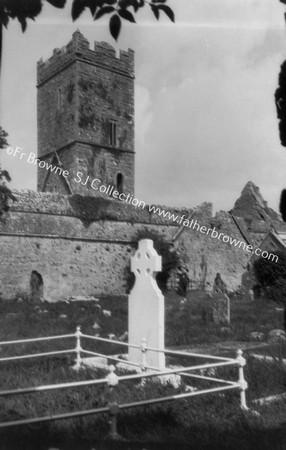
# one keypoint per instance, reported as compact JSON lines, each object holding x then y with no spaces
{"x":109,"y":190}
{"x":195,"y":225}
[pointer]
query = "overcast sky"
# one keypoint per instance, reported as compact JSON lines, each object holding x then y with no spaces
{"x":205,"y":113}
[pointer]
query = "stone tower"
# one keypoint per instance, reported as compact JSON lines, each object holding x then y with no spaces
{"x":86,"y":119}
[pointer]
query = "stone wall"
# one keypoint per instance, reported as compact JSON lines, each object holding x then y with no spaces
{"x":252,"y":205}
{"x":82,"y":245}
{"x":76,"y":253}
{"x":206,"y":256}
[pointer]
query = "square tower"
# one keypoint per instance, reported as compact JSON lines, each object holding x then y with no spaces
{"x":85,"y":108}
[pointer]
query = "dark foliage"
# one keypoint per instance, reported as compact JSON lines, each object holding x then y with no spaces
{"x":272,"y":277}
{"x":269,"y":272}
{"x":3,"y":138}
{"x":282,"y":204}
{"x":23,"y":10}
{"x":89,"y":209}
{"x":118,"y":9}
{"x":280,"y":101}
{"x":278,"y":290}
{"x":5,"y":192}
{"x":86,"y":116}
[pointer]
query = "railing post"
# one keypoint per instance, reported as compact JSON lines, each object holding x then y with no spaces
{"x":112,"y":381}
{"x":241,"y":380}
{"x":78,"y":348}
{"x":143,"y":360}
{"x":143,"y":352}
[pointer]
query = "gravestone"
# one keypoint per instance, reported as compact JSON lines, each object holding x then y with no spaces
{"x":146,"y":308}
{"x":219,"y":284}
{"x":221,"y":307}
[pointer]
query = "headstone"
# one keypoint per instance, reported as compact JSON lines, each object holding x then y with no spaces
{"x":146,"y":307}
{"x":179,"y":280}
{"x":257,"y":336}
{"x":219,"y":284}
{"x":221,"y":307}
{"x":251,"y":295}
{"x":276,"y":335}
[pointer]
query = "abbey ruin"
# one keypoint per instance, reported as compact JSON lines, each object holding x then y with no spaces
{"x":78,"y":237}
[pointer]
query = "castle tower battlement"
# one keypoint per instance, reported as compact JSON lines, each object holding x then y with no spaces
{"x":86,"y":117}
{"x":79,"y":48}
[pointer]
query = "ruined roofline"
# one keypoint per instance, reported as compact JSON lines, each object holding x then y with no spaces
{"x":103,"y":55}
{"x":63,"y":204}
{"x":251,"y":205}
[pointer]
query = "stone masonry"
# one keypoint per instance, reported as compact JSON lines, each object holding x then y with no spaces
{"x":79,"y":244}
{"x":78,"y":255}
{"x":75,"y":256}
{"x":86,"y":117}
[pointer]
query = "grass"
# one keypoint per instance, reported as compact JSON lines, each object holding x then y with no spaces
{"x":213,"y":421}
{"x":23,"y":320}
{"x":27,"y":320}
{"x":190,"y":323}
{"x":187,"y":323}
{"x":209,"y":422}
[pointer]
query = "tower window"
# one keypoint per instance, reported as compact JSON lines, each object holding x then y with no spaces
{"x":112,"y":133}
{"x":59,"y":99}
{"x":119,"y":183}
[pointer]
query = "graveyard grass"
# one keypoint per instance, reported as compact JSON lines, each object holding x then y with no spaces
{"x":187,"y":323}
{"x":213,"y":421}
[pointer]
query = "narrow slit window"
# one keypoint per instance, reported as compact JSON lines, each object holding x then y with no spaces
{"x":112,"y":133}
{"x":119,"y":182}
{"x":59,"y":100}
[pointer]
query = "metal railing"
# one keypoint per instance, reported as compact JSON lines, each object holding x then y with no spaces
{"x":112,"y":380}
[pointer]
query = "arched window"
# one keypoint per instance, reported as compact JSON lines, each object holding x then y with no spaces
{"x":37,"y":285}
{"x":119,"y":182}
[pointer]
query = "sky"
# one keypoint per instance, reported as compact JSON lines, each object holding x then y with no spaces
{"x":205,"y":117}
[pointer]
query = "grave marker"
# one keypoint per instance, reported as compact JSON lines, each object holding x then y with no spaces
{"x":221,"y":307}
{"x":146,"y":308}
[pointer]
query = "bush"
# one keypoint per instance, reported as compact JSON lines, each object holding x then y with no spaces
{"x":90,"y":209}
{"x":268,"y":272}
{"x":277,"y":291}
{"x":282,"y":204}
{"x":272,"y":277}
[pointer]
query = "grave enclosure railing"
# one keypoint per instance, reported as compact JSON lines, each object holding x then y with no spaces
{"x":112,"y":380}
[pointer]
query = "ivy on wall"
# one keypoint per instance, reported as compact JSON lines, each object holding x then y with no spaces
{"x":5,"y":196}
{"x":86,"y":116}
{"x":91,"y":209}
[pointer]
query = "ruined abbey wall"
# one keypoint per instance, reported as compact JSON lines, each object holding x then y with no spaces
{"x":206,"y":256}
{"x":81,"y":246}
{"x":76,"y":254}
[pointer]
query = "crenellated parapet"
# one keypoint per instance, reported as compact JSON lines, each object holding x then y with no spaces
{"x":103,"y":55}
